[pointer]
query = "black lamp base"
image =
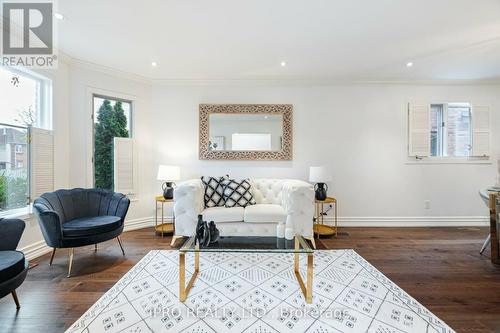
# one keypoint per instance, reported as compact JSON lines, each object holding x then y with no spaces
{"x":320,"y":191}
{"x":168,"y":190}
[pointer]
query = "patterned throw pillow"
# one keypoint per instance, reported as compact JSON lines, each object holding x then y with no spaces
{"x":214,"y":191}
{"x":237,"y":193}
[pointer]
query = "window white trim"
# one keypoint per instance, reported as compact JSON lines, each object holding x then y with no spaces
{"x":481,"y":130}
{"x":125,"y":166}
{"x":419,"y":144}
{"x":449,"y":160}
{"x":20,"y":213}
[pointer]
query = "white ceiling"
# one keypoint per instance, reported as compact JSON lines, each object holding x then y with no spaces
{"x":318,"y":39}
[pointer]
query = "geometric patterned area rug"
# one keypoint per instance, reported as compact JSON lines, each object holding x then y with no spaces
{"x":257,"y":293}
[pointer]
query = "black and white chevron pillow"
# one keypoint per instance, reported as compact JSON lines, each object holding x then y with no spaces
{"x":237,"y":193}
{"x":214,"y":191}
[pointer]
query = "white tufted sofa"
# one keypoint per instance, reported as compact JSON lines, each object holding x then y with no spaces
{"x":284,"y":207}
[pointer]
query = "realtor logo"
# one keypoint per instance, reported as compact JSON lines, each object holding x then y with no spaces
{"x":28,"y":34}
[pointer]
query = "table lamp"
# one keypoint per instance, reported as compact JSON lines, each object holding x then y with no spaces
{"x":319,"y":175}
{"x":168,"y":173}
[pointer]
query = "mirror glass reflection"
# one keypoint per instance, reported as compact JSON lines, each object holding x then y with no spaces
{"x":245,"y":132}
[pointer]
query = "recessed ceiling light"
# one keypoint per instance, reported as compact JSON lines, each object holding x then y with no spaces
{"x":409,"y":64}
{"x":59,"y":16}
{"x":283,"y":64}
{"x":154,"y":64}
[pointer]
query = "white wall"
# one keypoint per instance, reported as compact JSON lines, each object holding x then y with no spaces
{"x":358,"y":131}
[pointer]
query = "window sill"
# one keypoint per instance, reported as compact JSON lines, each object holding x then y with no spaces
{"x":19,"y":213}
{"x":449,"y":160}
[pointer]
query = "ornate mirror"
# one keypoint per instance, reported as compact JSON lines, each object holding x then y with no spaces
{"x":245,"y":132}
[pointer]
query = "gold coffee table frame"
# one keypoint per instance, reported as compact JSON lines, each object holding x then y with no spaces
{"x":306,"y":290}
{"x":299,"y":242}
{"x":183,"y":289}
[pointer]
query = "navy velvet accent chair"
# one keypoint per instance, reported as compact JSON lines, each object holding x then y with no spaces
{"x":13,"y":265}
{"x":80,"y":217}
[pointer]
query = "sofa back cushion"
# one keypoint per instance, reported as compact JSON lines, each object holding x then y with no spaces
{"x":78,"y":203}
{"x":267,"y":190}
{"x":11,"y":231}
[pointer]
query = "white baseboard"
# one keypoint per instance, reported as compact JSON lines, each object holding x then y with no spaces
{"x":40,"y":248}
{"x":412,"y":221}
{"x":135,"y":224}
{"x":35,"y":250}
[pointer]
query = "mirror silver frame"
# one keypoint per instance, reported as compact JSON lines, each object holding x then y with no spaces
{"x":286,"y":151}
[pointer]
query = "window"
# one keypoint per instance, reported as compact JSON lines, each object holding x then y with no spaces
{"x":14,"y":175}
{"x":450,"y":129}
{"x":112,"y":118}
{"x":25,"y":102}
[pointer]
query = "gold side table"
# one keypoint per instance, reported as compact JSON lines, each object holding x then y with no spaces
{"x":320,"y":228}
{"x":164,"y":227}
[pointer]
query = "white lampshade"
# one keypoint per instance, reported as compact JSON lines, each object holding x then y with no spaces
{"x":169,"y":173}
{"x":319,"y":174}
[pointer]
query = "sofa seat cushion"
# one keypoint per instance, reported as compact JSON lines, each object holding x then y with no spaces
{"x":223,"y":214}
{"x":265,"y":213}
{"x":11,"y":264}
{"x":87,"y":226}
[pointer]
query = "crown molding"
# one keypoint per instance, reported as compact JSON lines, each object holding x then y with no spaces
{"x":111,"y":71}
{"x":83,"y":64}
{"x":63,"y":57}
{"x":317,"y":82}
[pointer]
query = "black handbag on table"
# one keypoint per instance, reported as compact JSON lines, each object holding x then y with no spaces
{"x":206,"y":233}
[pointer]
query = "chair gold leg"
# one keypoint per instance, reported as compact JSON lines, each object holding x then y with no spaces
{"x":174,"y":239}
{"x":52,"y":256}
{"x":70,"y":263}
{"x":312,"y":241}
{"x":121,"y":246}
{"x":16,"y":300}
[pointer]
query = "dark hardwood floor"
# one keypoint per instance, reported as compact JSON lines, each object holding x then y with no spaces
{"x":440,"y":267}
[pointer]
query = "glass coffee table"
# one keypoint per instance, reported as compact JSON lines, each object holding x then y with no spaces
{"x":248,"y":245}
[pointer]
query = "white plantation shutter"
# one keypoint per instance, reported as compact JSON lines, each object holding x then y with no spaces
{"x":42,"y":162}
{"x":124,"y":165}
{"x":480,"y":130}
{"x":419,"y":139}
